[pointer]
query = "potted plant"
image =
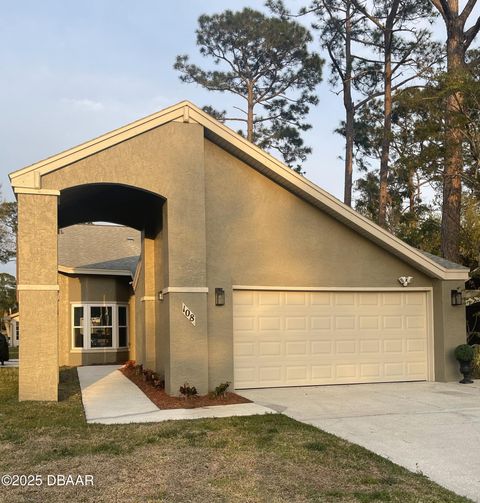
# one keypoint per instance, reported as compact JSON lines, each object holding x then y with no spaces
{"x":464,"y":355}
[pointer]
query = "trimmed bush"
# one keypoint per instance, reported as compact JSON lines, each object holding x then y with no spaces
{"x":464,"y":353}
{"x":476,"y":362}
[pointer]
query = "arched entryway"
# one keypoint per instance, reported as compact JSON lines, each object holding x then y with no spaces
{"x":153,"y":181}
{"x":108,"y":202}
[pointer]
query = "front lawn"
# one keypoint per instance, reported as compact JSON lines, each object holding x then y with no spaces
{"x":260,"y":458}
{"x":13,"y":352}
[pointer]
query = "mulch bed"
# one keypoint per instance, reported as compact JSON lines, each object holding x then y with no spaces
{"x":164,"y":401}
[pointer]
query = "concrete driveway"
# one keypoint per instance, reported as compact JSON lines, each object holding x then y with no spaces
{"x":433,"y":428}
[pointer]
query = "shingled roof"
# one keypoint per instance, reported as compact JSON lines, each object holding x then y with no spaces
{"x":98,"y":249}
{"x":448,"y":264}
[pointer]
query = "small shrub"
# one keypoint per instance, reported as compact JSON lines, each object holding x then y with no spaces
{"x":159,"y":383}
{"x":476,"y":362}
{"x":156,"y":381}
{"x":188,"y":391}
{"x":130,"y":364}
{"x":464,"y":353}
{"x":221,"y":389}
{"x":138,"y":369}
{"x":148,"y":375}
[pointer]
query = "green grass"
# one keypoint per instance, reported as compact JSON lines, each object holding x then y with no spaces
{"x":259,"y":458}
{"x":13,"y":352}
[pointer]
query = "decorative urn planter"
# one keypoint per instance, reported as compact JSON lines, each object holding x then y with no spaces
{"x":464,"y":355}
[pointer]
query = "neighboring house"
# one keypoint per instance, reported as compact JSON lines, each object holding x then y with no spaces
{"x":96,"y":265}
{"x":12,"y":329}
{"x":248,"y":272}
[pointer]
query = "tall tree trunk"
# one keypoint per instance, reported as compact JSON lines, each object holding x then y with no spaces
{"x":411,"y":191}
{"x":387,"y":128}
{"x":349,"y":109}
{"x":452,"y":175}
{"x":458,"y":42}
{"x":250,"y":106}
{"x":349,"y":140}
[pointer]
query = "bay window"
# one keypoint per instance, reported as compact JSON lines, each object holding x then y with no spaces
{"x":99,"y":326}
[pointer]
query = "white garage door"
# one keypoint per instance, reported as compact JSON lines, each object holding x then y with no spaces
{"x":291,"y":338}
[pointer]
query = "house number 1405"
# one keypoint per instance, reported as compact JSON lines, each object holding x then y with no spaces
{"x":187,"y":312}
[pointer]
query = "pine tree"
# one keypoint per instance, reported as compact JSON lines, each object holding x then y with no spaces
{"x":266,"y":62}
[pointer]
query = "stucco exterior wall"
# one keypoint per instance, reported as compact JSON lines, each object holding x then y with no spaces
{"x":167,"y":161}
{"x":450,"y":331}
{"x":140,"y":314}
{"x":259,"y":234}
{"x":38,"y":296}
{"x":222,"y":224}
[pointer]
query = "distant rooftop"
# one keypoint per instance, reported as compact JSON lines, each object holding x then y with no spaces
{"x":99,"y":246}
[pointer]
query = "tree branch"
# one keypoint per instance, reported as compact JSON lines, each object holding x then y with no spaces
{"x":467,"y":11}
{"x":335,"y":63}
{"x":438,"y":4}
{"x":471,"y":33}
{"x":372,"y":18}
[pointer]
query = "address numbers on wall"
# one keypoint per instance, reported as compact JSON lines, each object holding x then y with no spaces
{"x":187,"y":312}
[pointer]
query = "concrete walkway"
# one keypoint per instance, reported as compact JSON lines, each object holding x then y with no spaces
{"x":433,"y":428}
{"x":110,"y":398}
{"x":11,"y":363}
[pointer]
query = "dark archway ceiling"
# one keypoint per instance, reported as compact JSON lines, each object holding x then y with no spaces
{"x":114,"y":203}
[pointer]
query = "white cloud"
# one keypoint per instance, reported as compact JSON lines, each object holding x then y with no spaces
{"x":84,"y":104}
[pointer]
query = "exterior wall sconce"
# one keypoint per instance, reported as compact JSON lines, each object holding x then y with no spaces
{"x":456,"y":296}
{"x":160,"y":295}
{"x":219,"y":297}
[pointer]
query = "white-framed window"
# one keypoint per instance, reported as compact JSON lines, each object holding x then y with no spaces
{"x":99,"y":326}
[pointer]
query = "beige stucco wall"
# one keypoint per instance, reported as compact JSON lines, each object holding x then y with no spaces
{"x":450,"y":331}
{"x":167,"y":161}
{"x":140,"y":315}
{"x":38,"y":296}
{"x":85,"y":288}
{"x":261,"y":234}
{"x":225,"y":224}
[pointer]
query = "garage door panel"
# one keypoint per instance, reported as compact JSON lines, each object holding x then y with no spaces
{"x":322,"y":347}
{"x":349,"y":346}
{"x":344,"y":299}
{"x":392,"y":299}
{"x":267,"y":323}
{"x":415,"y":322}
{"x":415,"y":299}
{"x":296,"y":348}
{"x":320,"y":323}
{"x":245,"y":323}
{"x":320,"y":298}
{"x":371,"y":346}
{"x":295,"y":299}
{"x":394,"y":322}
{"x":369,"y":322}
{"x":345,"y":323}
{"x":244,"y":298}
{"x":296,"y":323}
{"x":297,"y":373}
{"x":416,"y":345}
{"x":301,"y":338}
{"x":370,"y":370}
{"x":369,"y":299}
{"x":269,"y":298}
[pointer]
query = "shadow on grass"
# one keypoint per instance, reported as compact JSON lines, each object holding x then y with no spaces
{"x":68,"y":385}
